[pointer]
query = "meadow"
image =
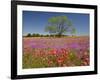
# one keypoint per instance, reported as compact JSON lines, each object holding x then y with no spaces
{"x":43,"y":52}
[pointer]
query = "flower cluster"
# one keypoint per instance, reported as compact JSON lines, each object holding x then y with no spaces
{"x":55,"y":52}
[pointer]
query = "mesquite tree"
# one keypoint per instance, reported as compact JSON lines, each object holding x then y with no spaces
{"x":59,"y":25}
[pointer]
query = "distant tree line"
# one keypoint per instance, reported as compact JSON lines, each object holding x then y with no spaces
{"x":42,"y":35}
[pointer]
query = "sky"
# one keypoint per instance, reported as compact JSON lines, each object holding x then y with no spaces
{"x":35,"y":22}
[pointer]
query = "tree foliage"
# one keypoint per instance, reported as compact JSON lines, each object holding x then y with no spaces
{"x":28,"y":35}
{"x":73,"y":31}
{"x":59,"y":25}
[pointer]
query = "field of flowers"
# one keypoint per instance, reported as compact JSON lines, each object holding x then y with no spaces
{"x":42,"y":52}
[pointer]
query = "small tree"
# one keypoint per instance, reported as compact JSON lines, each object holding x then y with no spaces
{"x":41,"y":35}
{"x":47,"y":35}
{"x":28,"y":35}
{"x":33,"y":35}
{"x":37,"y":35}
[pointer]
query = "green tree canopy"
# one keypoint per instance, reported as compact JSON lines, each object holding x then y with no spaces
{"x":59,"y":25}
{"x":28,"y":35}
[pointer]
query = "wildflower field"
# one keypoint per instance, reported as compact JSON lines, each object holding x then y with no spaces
{"x":42,"y":52}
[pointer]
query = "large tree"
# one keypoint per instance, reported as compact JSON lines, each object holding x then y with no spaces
{"x":59,"y":25}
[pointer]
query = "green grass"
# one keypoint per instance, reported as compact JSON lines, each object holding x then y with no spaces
{"x":30,"y":61}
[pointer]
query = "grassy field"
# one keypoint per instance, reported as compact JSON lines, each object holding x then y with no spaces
{"x":42,"y":52}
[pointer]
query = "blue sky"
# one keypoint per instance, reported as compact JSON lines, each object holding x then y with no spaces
{"x":35,"y":22}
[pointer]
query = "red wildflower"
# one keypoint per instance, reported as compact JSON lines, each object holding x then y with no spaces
{"x":64,"y":65}
{"x":63,"y":50}
{"x":53,"y":52}
{"x":60,"y":60}
{"x":85,"y":63}
{"x":50,"y":62}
